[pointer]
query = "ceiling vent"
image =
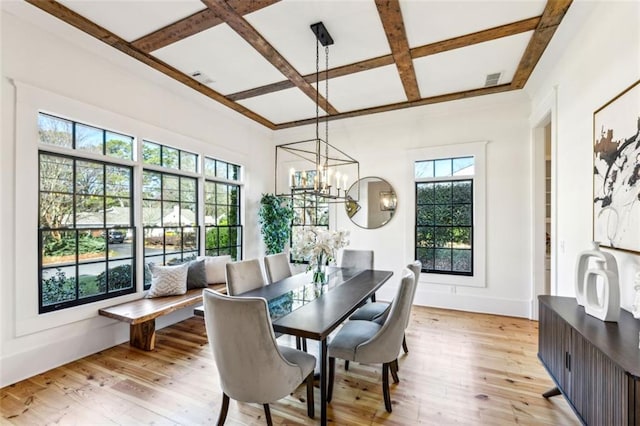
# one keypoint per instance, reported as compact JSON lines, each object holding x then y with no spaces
{"x":202,"y":78}
{"x":492,"y":79}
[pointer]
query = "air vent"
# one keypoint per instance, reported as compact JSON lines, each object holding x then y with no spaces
{"x":202,"y":78}
{"x":492,"y":79}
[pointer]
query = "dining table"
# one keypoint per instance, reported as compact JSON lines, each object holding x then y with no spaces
{"x":307,"y":310}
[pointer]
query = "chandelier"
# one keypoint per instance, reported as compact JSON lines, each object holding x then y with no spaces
{"x":314,"y":166}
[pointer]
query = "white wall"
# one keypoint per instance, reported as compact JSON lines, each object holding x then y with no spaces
{"x":381,"y":143}
{"x":106,"y":88}
{"x":601,"y":60}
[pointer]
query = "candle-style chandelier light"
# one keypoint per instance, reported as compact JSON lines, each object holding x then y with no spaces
{"x":314,"y":166}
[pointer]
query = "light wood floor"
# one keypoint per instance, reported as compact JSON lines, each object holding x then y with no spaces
{"x":462,"y":368}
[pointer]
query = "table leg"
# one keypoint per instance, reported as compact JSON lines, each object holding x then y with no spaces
{"x":323,"y":382}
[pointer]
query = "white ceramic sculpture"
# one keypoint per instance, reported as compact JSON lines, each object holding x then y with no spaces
{"x":582,"y":265}
{"x":607,"y":306}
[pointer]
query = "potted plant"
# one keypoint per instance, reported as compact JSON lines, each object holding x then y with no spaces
{"x":275,"y":217}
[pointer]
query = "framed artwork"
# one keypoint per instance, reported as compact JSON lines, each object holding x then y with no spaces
{"x":616,"y":172}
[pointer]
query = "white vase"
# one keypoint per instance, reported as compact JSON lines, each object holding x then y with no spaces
{"x":606,"y":307}
{"x":582,"y":265}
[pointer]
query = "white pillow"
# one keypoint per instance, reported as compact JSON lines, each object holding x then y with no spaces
{"x":168,"y":280}
{"x":215,"y":268}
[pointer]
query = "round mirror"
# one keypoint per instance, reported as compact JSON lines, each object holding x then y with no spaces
{"x":371,"y":202}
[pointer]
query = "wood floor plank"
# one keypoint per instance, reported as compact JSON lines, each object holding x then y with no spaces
{"x":462,"y":368}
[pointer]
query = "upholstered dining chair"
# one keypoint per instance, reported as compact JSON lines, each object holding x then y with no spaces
{"x":359,"y":259}
{"x":377,"y":311}
{"x":277,"y":267}
{"x":244,"y":275}
{"x":251,"y":365}
{"x":370,"y":342}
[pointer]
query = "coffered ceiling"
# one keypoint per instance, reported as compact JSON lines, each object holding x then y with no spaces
{"x":258,"y":57}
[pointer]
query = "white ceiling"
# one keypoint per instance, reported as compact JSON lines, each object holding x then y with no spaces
{"x":234,"y":65}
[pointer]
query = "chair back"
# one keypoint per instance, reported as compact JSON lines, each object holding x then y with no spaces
{"x":243,"y":276}
{"x":358,"y":259}
{"x":277,"y":267}
{"x":250,"y":365}
{"x":385,"y":345}
{"x":415,"y":267}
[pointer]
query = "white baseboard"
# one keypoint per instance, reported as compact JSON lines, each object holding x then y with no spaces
{"x":52,"y":354}
{"x":473,"y":303}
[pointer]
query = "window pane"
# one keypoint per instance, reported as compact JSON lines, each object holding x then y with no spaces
{"x":462,"y":192}
{"x":91,"y":245}
{"x":56,"y":210}
{"x":211,"y":238}
{"x":425,"y":215}
{"x":151,"y":213}
{"x":89,"y":138}
{"x":56,"y":174}
{"x":443,"y":193}
{"x":209,"y":215}
{"x":209,"y":167}
{"x":173,"y":240}
{"x":442,"y":167}
{"x":190,"y":239}
{"x":55,"y":131}
{"x":234,"y":172}
{"x":119,"y":146}
{"x":170,"y":213}
{"x":120,"y":275}
{"x":89,"y":211}
{"x":118,"y":181}
{"x":443,"y":237}
{"x":461,"y":237}
{"x":151,"y":153}
{"x":221,"y":169}
{"x":221,"y":193}
{"x":151,"y":185}
{"x":92,"y":279}
{"x":118,"y":211}
{"x":188,"y":161}
{"x":425,"y":193}
{"x":120,"y":242}
{"x":188,"y":214}
{"x":89,"y":178}
{"x":58,"y":247}
{"x":153,"y":241}
{"x":443,"y":260}
{"x":461,"y":214}
{"x":58,"y":285}
{"x":462,"y":260}
{"x":463,"y":166}
{"x":423,"y":169}
{"x":425,"y":237}
{"x":170,"y":157}
{"x":188,"y":189}
{"x":442,"y":214}
{"x":427,"y":257}
{"x":170,"y":188}
{"x":221,"y":215}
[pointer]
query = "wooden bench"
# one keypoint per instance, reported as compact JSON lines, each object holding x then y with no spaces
{"x":141,"y":314}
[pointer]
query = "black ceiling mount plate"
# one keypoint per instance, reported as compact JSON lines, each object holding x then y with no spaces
{"x":322,"y":34}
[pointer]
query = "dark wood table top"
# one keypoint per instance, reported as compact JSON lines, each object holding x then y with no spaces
{"x":617,"y":340}
{"x":299,"y":309}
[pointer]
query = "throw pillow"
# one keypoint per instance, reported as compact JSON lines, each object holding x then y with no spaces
{"x":197,"y":275}
{"x":215,"y":267}
{"x":168,"y":280}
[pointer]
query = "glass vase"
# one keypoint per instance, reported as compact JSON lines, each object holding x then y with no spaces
{"x":319,"y":274}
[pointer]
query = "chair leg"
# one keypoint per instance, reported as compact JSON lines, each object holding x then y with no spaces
{"x":310,"y":403}
{"x":332,"y":371}
{"x":394,"y":370}
{"x":346,"y":365}
{"x":404,"y":344}
{"x":223,"y":410}
{"x":373,"y":297}
{"x":385,"y":386}
{"x":267,"y":414}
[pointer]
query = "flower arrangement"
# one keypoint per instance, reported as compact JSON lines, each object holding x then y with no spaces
{"x":319,"y":247}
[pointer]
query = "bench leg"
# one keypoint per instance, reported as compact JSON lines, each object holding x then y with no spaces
{"x":143,"y":335}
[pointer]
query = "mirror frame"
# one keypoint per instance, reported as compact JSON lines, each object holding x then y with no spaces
{"x":352,"y":207}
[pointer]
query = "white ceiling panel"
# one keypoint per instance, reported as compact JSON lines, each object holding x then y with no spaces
{"x":131,"y":19}
{"x":354,"y":26}
{"x":467,"y":68}
{"x":224,"y":56}
{"x":432,"y":21}
{"x":283,"y":106}
{"x":378,"y":86}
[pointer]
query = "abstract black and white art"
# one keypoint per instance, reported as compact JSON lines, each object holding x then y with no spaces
{"x":616,"y":172}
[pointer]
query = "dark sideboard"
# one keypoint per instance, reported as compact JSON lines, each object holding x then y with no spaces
{"x":594,"y":364}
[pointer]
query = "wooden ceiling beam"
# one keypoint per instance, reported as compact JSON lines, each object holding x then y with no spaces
{"x":260,"y":44}
{"x":402,"y":105}
{"x":417,"y":52}
{"x":83,"y":24}
{"x":553,"y":14}
{"x":193,"y":24}
{"x":477,"y":37}
{"x":393,"y":24}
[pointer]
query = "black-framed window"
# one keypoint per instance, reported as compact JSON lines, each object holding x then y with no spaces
{"x":214,"y":168}
{"x":86,"y":233}
{"x":168,"y":157}
{"x":223,"y":229}
{"x":307,"y":211}
{"x":444,"y":215}
{"x":169,"y":219}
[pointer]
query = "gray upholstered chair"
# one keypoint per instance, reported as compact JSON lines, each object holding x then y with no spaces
{"x":359,"y":259}
{"x":277,"y":267}
{"x":377,"y":311}
{"x":251,"y":365}
{"x":371,"y":342}
{"x":242,"y":276}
